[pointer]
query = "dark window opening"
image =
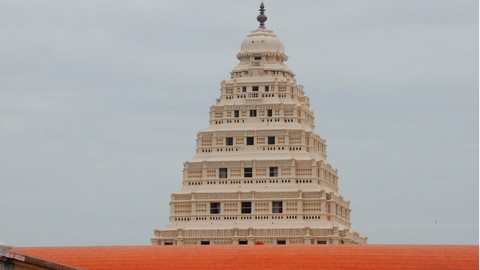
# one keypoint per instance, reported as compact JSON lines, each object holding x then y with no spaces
{"x":204,"y":243}
{"x":215,"y":208}
{"x":253,"y":113}
{"x":250,"y":141}
{"x":273,"y":171}
{"x":243,"y":242}
{"x":322,"y":242}
{"x":269,"y":113}
{"x":267,"y":88}
{"x":257,"y":58}
{"x":168,"y":243}
{"x":247,"y":172}
{"x":271,"y":139}
{"x":246,"y":207}
{"x":281,"y":242}
{"x":236,"y":113}
{"x":255,"y":88}
{"x":222,"y":173}
{"x":277,"y":207}
{"x":229,"y":141}
{"x":244,"y":89}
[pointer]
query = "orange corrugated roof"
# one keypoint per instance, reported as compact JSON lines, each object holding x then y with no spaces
{"x":261,"y":257}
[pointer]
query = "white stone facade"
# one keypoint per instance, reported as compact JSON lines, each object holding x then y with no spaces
{"x":260,"y":172}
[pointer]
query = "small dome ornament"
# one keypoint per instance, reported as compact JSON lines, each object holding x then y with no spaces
{"x":262,"y":18}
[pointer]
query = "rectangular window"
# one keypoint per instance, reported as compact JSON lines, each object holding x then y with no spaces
{"x":253,"y":113}
{"x":229,"y":141}
{"x":244,"y":89}
{"x":271,"y":139}
{"x":277,"y":207}
{"x":257,"y":58}
{"x":247,"y":172}
{"x":222,"y":173}
{"x":273,"y":171}
{"x":215,"y":208}
{"x":270,"y":113}
{"x":168,"y":243}
{"x":236,"y":113}
{"x":204,"y":243}
{"x":322,"y":242}
{"x":243,"y":242}
{"x":267,"y":88}
{"x":255,"y":88}
{"x":250,"y":141}
{"x":246,"y":207}
{"x":281,"y":242}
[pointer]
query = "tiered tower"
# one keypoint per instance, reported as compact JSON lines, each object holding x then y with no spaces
{"x":260,"y":172}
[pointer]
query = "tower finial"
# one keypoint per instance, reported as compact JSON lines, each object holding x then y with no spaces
{"x":262,"y":18}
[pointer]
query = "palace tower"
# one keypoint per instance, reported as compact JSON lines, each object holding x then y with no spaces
{"x":260,"y":172}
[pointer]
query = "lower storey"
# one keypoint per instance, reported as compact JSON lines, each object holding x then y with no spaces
{"x":250,"y":236}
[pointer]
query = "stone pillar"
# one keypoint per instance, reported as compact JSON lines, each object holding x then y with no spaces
{"x":307,"y":239}
{"x":179,"y":239}
{"x":234,"y":238}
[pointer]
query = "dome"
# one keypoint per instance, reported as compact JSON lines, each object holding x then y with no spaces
{"x":262,"y":40}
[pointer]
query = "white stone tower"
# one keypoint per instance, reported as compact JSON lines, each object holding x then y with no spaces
{"x":260,"y":173}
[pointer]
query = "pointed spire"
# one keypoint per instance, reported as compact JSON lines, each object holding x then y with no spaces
{"x":262,"y":18}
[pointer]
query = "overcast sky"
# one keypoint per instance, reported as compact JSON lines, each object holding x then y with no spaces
{"x":100,"y":103}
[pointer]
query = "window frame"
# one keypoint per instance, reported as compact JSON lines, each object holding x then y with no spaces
{"x":273,"y":171}
{"x":228,"y":141}
{"x":271,"y":140}
{"x":215,"y":208}
{"x":248,"y":142}
{"x":248,"y":172}
{"x":277,"y":207}
{"x":246,"y":207}
{"x":222,"y":173}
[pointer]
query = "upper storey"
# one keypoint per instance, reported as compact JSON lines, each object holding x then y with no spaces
{"x":262,"y":40}
{"x":262,"y":50}
{"x":261,"y":109}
